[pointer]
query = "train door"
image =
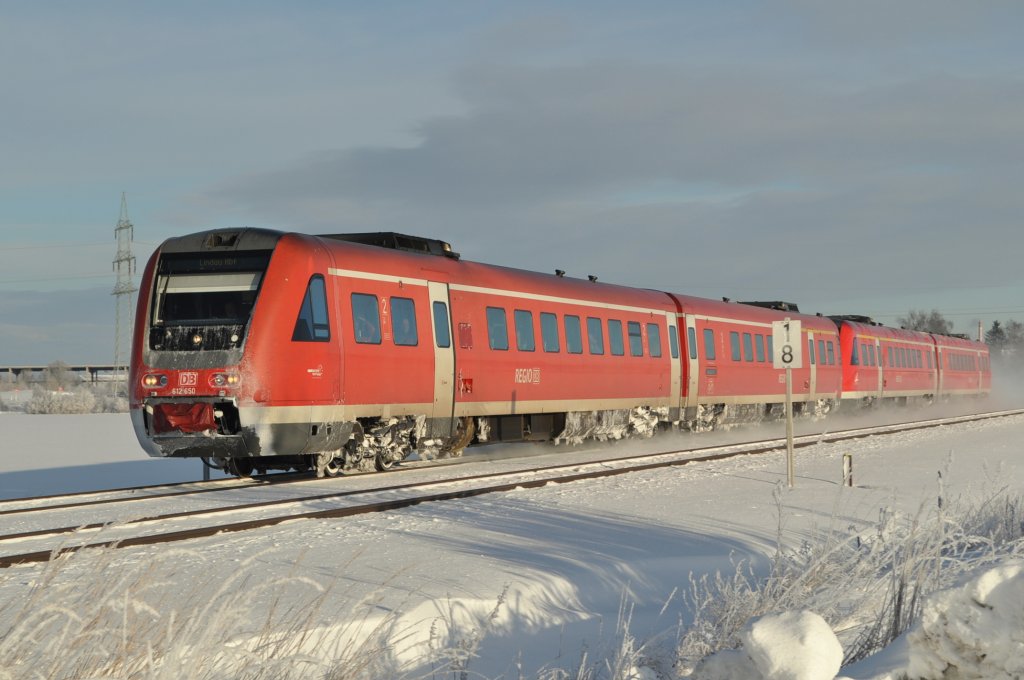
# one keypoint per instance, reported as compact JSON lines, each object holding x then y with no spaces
{"x":812,"y":381}
{"x":690,"y":357}
{"x":881,"y":369}
{"x":444,"y":359}
{"x":675,"y":378}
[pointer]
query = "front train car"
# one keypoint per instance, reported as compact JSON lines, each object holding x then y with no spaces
{"x":200,"y":384}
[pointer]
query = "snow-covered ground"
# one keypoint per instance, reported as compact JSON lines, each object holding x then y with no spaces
{"x":531,"y":583}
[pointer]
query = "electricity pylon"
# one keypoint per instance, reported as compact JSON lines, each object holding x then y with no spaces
{"x":124,"y":266}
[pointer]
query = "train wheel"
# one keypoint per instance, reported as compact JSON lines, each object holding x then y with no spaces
{"x":335,"y":467}
{"x":239,"y":467}
{"x":383,"y":462}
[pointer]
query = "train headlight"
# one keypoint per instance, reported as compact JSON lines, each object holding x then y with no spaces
{"x":154,"y":380}
{"x":224,"y":380}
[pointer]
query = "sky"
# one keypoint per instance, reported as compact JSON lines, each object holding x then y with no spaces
{"x":853,"y":158}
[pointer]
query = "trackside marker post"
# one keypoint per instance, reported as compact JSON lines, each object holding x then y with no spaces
{"x":788,"y":354}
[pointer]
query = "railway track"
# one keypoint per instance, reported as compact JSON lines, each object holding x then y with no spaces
{"x":243,"y":507}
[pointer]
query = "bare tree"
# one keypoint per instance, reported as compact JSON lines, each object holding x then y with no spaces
{"x":1014,"y":338}
{"x":58,"y":376}
{"x":929,"y":322}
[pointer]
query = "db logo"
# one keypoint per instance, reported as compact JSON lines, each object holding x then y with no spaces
{"x":188,"y":379}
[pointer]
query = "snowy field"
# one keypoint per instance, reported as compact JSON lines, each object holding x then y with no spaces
{"x":595,"y":579}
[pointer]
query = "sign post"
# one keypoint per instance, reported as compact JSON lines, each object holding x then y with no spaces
{"x":788,"y":354}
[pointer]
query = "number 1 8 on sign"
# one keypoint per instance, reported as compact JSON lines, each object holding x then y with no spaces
{"x":788,"y":354}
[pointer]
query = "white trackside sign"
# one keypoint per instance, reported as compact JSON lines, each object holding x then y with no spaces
{"x":786,"y":344}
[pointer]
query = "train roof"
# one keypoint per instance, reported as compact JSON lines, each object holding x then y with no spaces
{"x":729,"y":309}
{"x":360,"y":255}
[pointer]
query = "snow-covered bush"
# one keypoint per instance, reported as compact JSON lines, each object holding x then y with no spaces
{"x":48,"y":401}
{"x":85,"y":398}
{"x":872,"y":585}
{"x":91,"y":614}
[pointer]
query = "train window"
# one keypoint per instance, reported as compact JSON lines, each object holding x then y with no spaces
{"x":903,"y":358}
{"x":595,"y":335}
{"x":831,"y":353}
{"x":748,"y":347}
{"x":204,"y":299}
{"x":759,"y":345}
{"x":636,"y":343}
{"x":771,"y":348}
{"x":709,"y":344}
{"x":654,"y":340}
{"x":615,"y":342}
{"x":497,"y":328}
{"x":734,"y":345}
{"x":549,"y":332}
{"x":526,"y":341}
{"x":403,"y":322}
{"x":871,"y":355}
{"x":822,"y":357}
{"x":442,"y":333}
{"x":691,"y":336}
{"x":313,"y":324}
{"x":891,"y":364}
{"x":365,"y":319}
{"x":855,"y":353}
{"x":573,"y":335}
{"x":810,"y":350}
{"x":928,"y":358}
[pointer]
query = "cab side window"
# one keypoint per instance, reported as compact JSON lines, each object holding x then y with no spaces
{"x":313,"y":324}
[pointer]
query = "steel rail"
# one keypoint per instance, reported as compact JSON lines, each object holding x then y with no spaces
{"x":715,"y":453}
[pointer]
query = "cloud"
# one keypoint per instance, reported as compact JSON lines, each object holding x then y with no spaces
{"x":665,"y":176}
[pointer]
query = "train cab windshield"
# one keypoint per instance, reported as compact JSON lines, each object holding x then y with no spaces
{"x":206,"y":299}
{"x":201,"y":302}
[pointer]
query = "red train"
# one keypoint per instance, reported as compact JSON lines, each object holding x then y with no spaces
{"x":257,"y":350}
